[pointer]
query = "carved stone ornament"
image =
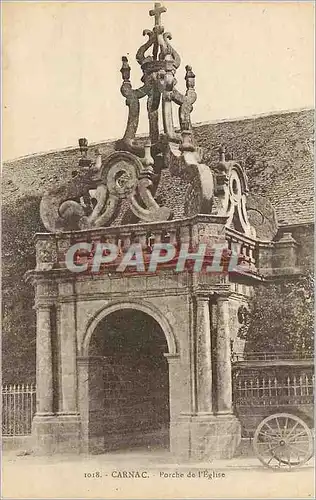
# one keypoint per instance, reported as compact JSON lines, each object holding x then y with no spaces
{"x":46,"y":255}
{"x":231,"y":190}
{"x":243,"y":316}
{"x":128,"y":177}
{"x":174,"y":149}
{"x":94,"y":195}
{"x":92,"y":198}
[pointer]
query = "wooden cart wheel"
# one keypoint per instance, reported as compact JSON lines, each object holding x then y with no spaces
{"x":283,"y":441}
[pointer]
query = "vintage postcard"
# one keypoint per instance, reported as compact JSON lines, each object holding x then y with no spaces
{"x":157,"y":250}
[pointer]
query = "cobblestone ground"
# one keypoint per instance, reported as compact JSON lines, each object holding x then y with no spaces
{"x":157,"y":476}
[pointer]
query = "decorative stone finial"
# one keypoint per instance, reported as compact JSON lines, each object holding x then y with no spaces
{"x":83,"y":145}
{"x":125,"y":69}
{"x":157,"y":11}
{"x":159,"y":85}
{"x":148,"y":160}
{"x":187,"y":142}
{"x":189,"y":77}
{"x":222,"y":152}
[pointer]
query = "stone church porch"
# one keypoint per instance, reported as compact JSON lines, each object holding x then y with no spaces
{"x":139,"y":359}
{"x":128,"y":359}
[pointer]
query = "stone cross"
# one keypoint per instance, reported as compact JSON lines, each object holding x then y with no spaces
{"x":157,"y":11}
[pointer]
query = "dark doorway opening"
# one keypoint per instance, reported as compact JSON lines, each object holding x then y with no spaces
{"x":128,"y":383}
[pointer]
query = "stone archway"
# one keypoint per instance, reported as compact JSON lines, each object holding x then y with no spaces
{"x":138,"y":305}
{"x":127,"y":394}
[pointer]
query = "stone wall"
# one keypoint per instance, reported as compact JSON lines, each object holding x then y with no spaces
{"x":304,"y":236}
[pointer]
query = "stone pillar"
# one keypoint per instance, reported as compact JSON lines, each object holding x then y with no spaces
{"x":59,"y":432}
{"x":198,"y":427}
{"x":175,"y":400}
{"x":213,"y":432}
{"x":83,"y":402}
{"x":223,"y":357}
{"x":285,"y":255}
{"x":42,"y":432}
{"x":44,"y":374}
{"x":203,"y":356}
{"x":68,"y":358}
{"x":68,"y":349}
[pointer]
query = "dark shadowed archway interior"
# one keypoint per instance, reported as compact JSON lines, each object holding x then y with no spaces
{"x":128,"y":383}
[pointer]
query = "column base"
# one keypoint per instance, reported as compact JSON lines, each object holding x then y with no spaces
{"x":206,"y":437}
{"x":56,"y":433}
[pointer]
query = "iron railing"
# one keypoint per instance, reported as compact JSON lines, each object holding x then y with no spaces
{"x":272,"y":356}
{"x":18,"y":408}
{"x":265,"y":390}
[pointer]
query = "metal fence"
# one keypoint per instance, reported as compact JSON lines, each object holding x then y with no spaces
{"x":265,"y":390}
{"x":18,"y":408}
{"x":272,"y":356}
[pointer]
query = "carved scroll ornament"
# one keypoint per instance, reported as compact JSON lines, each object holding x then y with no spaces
{"x":231,"y":190}
{"x":93,"y":196}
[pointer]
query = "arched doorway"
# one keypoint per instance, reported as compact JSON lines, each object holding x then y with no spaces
{"x":128,"y":383}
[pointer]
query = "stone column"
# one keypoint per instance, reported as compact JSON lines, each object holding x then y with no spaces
{"x":223,"y":357}
{"x":68,"y":348}
{"x":83,"y":402}
{"x":66,"y":427}
{"x":175,"y":387}
{"x":44,"y":374}
{"x":175,"y":399}
{"x":203,"y":356}
{"x":68,"y":358}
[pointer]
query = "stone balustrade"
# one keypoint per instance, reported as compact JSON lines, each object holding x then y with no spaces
{"x":246,"y":246}
{"x":51,"y":249}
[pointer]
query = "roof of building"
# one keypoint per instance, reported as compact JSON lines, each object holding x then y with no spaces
{"x":277,"y":150}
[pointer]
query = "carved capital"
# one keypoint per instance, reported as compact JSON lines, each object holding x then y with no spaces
{"x":46,"y":255}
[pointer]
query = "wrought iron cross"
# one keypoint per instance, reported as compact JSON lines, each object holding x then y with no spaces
{"x":157,"y":11}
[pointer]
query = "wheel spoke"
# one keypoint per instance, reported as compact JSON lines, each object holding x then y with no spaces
{"x":264,"y":443}
{"x":303,"y":444}
{"x":273,"y":430}
{"x":301,"y":433}
{"x":270,"y":436}
{"x":279,"y":428}
{"x":297,"y":455}
{"x":297,"y":448}
{"x":293,"y":428}
{"x":274,"y":448}
{"x":280,"y":452}
{"x":268,"y":446}
{"x":273,"y":456}
{"x":285,"y":425}
{"x":274,"y":434}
